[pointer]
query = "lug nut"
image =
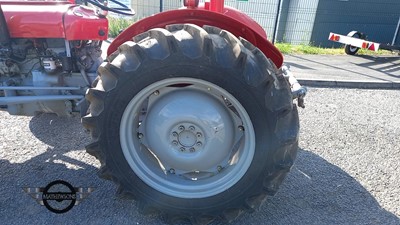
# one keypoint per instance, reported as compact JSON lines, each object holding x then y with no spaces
{"x":175,"y":143}
{"x":199,"y":144}
{"x":175,"y":134}
{"x":172,"y":171}
{"x":156,"y":93}
{"x":199,"y":135}
{"x":192,"y":150}
{"x":219,"y":168}
{"x":140,"y":135}
{"x":181,"y":128}
{"x":241,"y":128}
{"x":192,"y":128}
{"x":183,"y":149}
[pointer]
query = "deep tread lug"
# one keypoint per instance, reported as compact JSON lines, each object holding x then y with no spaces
{"x":229,"y":215}
{"x":174,"y":27}
{"x":140,"y":37}
{"x":124,"y":194}
{"x":208,"y":47}
{"x":255,"y":202}
{"x":145,"y":208}
{"x":89,"y":122}
{"x":285,"y":166}
{"x":271,"y":184}
{"x":135,"y":53}
{"x":108,"y":79}
{"x":166,"y":39}
{"x":247,"y":44}
{"x":134,"y":58}
{"x":270,"y":190}
{"x":202,"y":220}
{"x":95,"y":97}
{"x":93,"y":149}
{"x":95,"y":94}
{"x":232,"y":40}
{"x":241,"y":60}
{"x":105,"y":173}
{"x":177,"y":219}
{"x":212,"y":30}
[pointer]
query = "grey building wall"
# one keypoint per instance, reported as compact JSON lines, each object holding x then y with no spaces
{"x":171,"y":4}
{"x":299,"y":21}
{"x":377,"y":18}
{"x":145,"y":8}
{"x":262,"y":11}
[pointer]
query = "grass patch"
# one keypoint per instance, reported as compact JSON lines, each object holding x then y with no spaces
{"x":117,"y":24}
{"x":286,"y":48}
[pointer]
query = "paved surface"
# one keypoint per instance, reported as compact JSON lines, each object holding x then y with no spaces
{"x":347,"y":170}
{"x":346,"y":71}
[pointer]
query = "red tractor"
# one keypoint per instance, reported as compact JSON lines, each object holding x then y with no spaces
{"x":191,"y":114}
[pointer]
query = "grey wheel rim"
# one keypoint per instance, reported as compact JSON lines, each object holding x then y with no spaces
{"x":353,"y":49}
{"x":187,"y":138}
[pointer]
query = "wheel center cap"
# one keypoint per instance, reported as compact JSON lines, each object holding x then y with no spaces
{"x":187,"y":139}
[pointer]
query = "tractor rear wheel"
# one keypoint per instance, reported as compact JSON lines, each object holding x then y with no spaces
{"x":192,"y":122}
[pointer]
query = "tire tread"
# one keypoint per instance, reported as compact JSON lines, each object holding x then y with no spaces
{"x":258,"y":71}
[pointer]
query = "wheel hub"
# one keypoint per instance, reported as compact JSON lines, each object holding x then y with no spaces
{"x":187,"y":138}
{"x":188,"y":130}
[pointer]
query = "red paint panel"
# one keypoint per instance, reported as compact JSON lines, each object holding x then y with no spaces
{"x":231,"y":20}
{"x":29,"y":19}
{"x":82,"y":23}
{"x":35,"y":20}
{"x":217,"y":5}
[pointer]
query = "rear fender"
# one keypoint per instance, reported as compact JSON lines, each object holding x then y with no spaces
{"x":230,"y":19}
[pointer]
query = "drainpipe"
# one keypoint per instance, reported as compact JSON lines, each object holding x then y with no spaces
{"x":278,"y":18}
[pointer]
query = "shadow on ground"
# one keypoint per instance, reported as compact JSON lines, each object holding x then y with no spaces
{"x":386,"y":65}
{"x":318,"y":192}
{"x":379,"y":68}
{"x":315,"y":192}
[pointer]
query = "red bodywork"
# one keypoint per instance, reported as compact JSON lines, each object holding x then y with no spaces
{"x":226,"y":18}
{"x":64,"y":19}
{"x":58,"y":19}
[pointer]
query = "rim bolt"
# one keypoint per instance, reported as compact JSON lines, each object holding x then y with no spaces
{"x":156,"y":93}
{"x":219,"y":168}
{"x":192,"y":150}
{"x":199,"y":144}
{"x":175,"y":134}
{"x":183,"y":149}
{"x":172,"y":171}
{"x":199,"y":135}
{"x":175,"y":143}
{"x":140,"y":135}
{"x":181,"y":128}
{"x":192,"y":128}
{"x":241,"y":128}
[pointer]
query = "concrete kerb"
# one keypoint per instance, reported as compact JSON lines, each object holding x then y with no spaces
{"x":359,"y":84}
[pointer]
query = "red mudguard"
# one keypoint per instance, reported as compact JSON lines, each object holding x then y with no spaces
{"x":230,"y":19}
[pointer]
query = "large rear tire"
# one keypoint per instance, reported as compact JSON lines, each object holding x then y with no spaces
{"x":193,"y":123}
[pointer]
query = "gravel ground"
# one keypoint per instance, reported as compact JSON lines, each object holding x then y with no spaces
{"x":347,"y":170}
